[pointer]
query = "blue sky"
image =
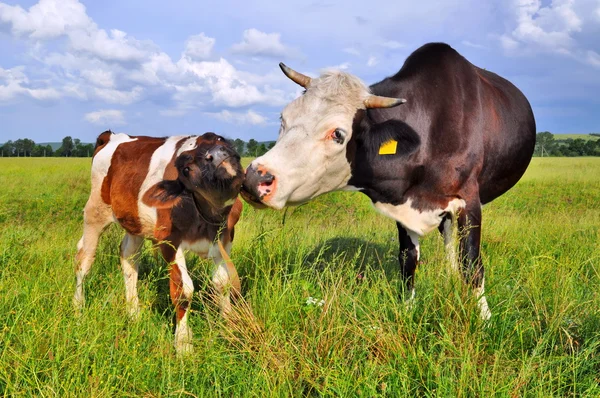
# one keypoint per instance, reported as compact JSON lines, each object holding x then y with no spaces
{"x":150,"y":67}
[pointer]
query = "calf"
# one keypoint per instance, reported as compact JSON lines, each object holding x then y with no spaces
{"x":180,"y":192}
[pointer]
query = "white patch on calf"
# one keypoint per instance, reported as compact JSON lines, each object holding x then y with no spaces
{"x":419,"y":222}
{"x":103,"y":158}
{"x":188,"y":145}
{"x":221,"y":278}
{"x":200,"y":247}
{"x":183,"y":332}
{"x":156,"y":171}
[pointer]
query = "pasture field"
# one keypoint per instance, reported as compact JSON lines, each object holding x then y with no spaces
{"x":541,"y":249}
{"x":585,"y":137}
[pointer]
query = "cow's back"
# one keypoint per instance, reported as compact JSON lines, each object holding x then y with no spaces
{"x":468,"y":120}
{"x":509,"y":135}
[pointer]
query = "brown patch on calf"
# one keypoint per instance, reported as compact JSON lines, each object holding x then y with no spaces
{"x":234,"y":216}
{"x":164,"y":222}
{"x":121,"y":186}
{"x":176,"y":291}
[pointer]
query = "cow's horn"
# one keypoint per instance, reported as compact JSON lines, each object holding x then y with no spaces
{"x":375,"y":101}
{"x":297,"y":77}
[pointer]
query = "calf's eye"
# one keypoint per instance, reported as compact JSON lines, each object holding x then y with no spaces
{"x":186,"y":171}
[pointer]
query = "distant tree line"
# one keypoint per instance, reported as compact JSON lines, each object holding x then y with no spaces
{"x":252,"y":148}
{"x":547,"y":144}
{"x":75,"y":148}
{"x":25,"y":147}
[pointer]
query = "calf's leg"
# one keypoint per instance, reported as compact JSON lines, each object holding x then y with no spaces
{"x":225,"y":277}
{"x":129,"y":248}
{"x":181,"y":289}
{"x":95,"y":218}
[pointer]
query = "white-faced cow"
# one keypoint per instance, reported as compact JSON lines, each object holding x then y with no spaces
{"x":181,"y":192}
{"x":464,"y":137}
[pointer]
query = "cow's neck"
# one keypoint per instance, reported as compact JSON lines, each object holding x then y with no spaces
{"x":373,"y":172}
{"x":212,"y":212}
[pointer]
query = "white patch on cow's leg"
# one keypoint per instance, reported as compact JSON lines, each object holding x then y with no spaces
{"x":409,"y":303}
{"x":450,"y":243}
{"x":95,"y":220}
{"x":485,"y":312}
{"x":129,"y":248}
{"x":183,"y":333}
{"x":221,"y":279}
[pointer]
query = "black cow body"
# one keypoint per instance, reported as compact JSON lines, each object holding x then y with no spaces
{"x":463,"y":133}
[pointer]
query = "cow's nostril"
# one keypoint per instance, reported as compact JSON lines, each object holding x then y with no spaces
{"x":209,"y":157}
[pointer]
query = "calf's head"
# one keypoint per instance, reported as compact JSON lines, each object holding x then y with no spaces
{"x":310,"y":156}
{"x":210,"y":170}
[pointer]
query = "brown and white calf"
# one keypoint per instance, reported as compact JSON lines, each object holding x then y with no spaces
{"x":180,"y":192}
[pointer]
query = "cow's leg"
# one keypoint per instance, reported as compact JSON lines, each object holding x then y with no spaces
{"x":409,"y":258}
{"x":95,"y":219}
{"x":469,"y":229}
{"x":129,"y":248}
{"x":448,"y":230}
{"x":181,"y":289}
{"x":224,"y":278}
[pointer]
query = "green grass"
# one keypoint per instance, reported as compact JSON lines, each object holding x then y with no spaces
{"x":586,"y":137}
{"x":541,"y":249}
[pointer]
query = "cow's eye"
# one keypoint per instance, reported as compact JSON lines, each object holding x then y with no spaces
{"x":186,"y":171}
{"x":338,"y":135}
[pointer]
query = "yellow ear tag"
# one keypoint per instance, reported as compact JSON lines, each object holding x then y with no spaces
{"x":388,"y":148}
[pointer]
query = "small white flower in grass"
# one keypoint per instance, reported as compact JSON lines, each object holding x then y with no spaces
{"x":321,"y":303}
{"x":311,"y":301}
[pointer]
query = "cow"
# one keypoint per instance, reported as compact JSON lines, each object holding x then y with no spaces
{"x":182,"y":193}
{"x":463,"y":137}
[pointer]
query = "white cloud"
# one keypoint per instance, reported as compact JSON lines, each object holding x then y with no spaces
{"x":257,"y":43}
{"x":543,"y":28}
{"x":593,"y":58}
{"x":199,"y":46}
{"x":45,"y":20}
{"x":343,"y":66}
{"x":392,"y":45}
{"x":351,"y":50}
{"x":239,"y":118}
{"x":473,"y":45}
{"x":123,"y":97}
{"x":114,"y":68}
{"x":14,"y":83}
{"x":99,"y":77}
{"x":106,"y":117}
{"x":372,"y":61}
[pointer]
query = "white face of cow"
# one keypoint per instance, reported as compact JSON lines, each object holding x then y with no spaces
{"x":309,"y":158}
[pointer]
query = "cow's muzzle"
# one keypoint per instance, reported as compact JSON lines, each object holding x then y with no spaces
{"x":258,"y":186}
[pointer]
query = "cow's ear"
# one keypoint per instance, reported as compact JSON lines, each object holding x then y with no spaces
{"x":165,"y":194}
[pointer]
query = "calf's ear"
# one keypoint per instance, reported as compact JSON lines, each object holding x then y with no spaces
{"x":163,"y":195}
